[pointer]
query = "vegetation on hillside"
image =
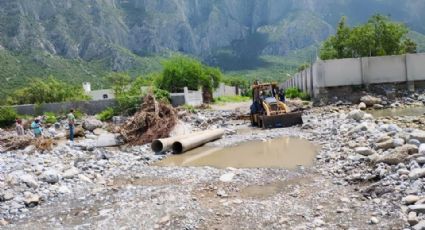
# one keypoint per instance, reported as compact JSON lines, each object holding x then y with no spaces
{"x":378,"y":37}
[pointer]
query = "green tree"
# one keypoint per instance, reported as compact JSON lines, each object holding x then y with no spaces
{"x":180,"y":72}
{"x":119,"y":82}
{"x":379,"y":36}
{"x":48,"y":90}
{"x":410,"y":46}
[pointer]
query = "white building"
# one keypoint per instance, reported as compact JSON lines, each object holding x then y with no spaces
{"x":97,"y":95}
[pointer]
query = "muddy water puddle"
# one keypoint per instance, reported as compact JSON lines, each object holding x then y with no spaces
{"x":398,"y":112}
{"x":267,"y":190}
{"x":287,"y":152}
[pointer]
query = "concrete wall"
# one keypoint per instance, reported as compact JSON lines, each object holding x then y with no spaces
{"x":225,"y":90}
{"x":415,"y":66}
{"x":328,"y":74}
{"x":88,"y":107}
{"x":384,"y":69}
{"x":188,"y":97}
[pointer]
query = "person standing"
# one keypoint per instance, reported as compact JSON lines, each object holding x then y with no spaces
{"x":36,"y":127}
{"x":71,"y":124}
{"x":19,"y":127}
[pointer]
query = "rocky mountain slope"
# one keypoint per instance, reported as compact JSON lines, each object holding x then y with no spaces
{"x":91,"y":29}
{"x":118,"y":32}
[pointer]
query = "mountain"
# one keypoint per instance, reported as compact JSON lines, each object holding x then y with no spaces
{"x":232,"y":34}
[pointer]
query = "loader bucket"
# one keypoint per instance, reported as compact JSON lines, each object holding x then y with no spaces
{"x":282,"y":121}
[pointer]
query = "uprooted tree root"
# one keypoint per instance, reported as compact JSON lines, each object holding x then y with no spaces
{"x":11,"y":143}
{"x":154,"y":120}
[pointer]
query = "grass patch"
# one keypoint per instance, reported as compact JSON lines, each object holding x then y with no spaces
{"x":230,"y":99}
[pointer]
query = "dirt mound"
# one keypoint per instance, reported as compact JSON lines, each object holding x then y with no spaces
{"x":154,"y":120}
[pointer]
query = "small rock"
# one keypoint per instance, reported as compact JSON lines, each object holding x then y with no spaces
{"x":420,"y":160}
{"x":228,"y":177}
{"x":370,"y":100}
{"x":385,"y":145}
{"x":378,"y":106}
{"x":418,"y":135}
{"x":415,"y":142}
{"x":71,"y":173}
{"x":356,"y":115}
{"x":418,"y":208}
{"x":164,"y":219}
{"x":84,"y":178}
{"x":31,"y":200}
{"x":221,"y":193}
{"x":417,"y":173}
{"x":64,"y":190}
{"x":374,"y":220}
{"x":420,"y":225}
{"x":362,"y":106}
{"x":3,"y":222}
{"x":398,"y":142}
{"x":412,"y":218}
{"x":410,"y":199}
{"x":29,"y":180}
{"x":50,"y":176}
{"x":29,"y":149}
{"x":365,"y":151}
{"x":7,"y":195}
{"x":422,"y":149}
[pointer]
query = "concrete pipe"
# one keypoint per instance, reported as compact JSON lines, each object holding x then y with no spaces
{"x":196,"y":140}
{"x":161,"y":145}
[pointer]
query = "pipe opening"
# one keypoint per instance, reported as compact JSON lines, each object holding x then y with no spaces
{"x":157,"y":146}
{"x":177,"y":148}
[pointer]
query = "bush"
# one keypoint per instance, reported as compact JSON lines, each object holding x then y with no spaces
{"x":304,"y":96}
{"x":292,"y":93}
{"x":106,"y":115}
{"x":50,"y":118}
{"x":7,"y":116}
{"x":78,"y":114}
{"x":189,"y":108}
{"x":181,"y":71}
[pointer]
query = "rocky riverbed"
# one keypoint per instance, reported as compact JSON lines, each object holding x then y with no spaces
{"x":369,"y":174}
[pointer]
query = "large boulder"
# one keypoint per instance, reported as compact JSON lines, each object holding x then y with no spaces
{"x":418,"y":135}
{"x":399,"y":155}
{"x":356,"y":115}
{"x":370,"y":100}
{"x":91,"y":124}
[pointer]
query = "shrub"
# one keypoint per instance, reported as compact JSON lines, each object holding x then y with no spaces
{"x":50,"y":118}
{"x":304,"y":96}
{"x":181,"y":71}
{"x":189,"y":108}
{"x":292,"y":93}
{"x":7,"y":116}
{"x":106,"y":114}
{"x":78,"y":114}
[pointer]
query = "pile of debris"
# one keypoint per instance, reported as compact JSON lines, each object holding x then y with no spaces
{"x":12,"y":142}
{"x":154,"y":120}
